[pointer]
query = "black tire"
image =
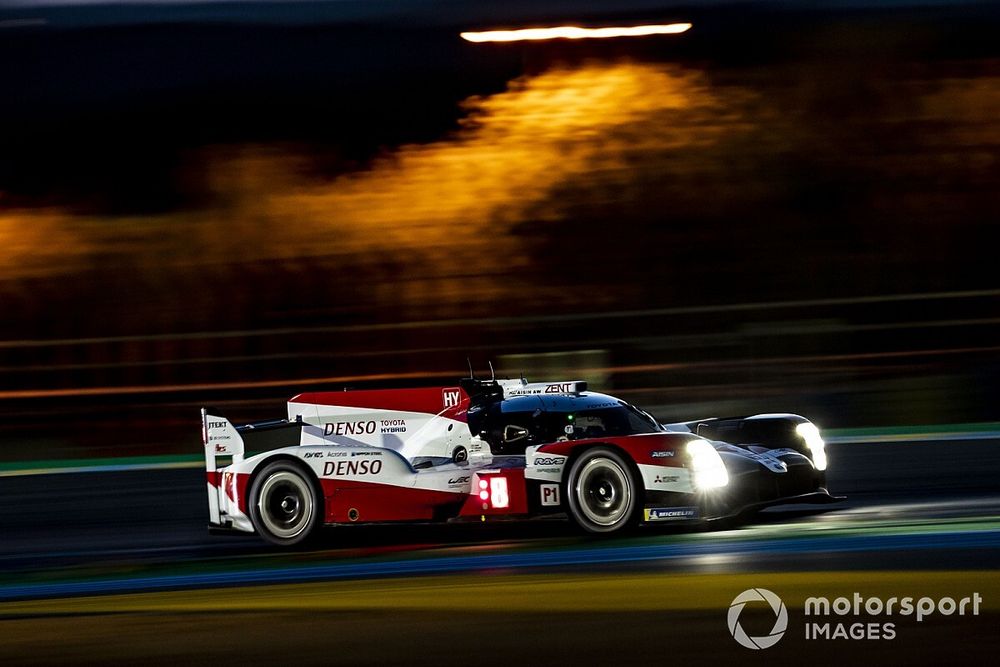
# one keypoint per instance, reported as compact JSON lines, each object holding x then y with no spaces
{"x":286,"y":506}
{"x":602,"y":491}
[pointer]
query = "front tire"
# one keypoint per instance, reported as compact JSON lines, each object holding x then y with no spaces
{"x":602,"y":492}
{"x":286,"y":507}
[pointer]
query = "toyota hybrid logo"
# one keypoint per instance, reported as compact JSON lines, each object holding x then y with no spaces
{"x":780,"y":622}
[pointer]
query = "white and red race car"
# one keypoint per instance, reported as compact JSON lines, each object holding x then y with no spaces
{"x":498,"y":449}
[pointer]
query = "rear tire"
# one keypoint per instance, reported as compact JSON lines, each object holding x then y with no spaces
{"x":602,"y":492}
{"x":286,"y":507}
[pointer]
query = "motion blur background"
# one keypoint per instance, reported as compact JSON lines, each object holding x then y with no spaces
{"x":787,"y":207}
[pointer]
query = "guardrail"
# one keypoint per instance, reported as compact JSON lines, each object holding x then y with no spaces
{"x":890,"y":359}
{"x":692,"y":345}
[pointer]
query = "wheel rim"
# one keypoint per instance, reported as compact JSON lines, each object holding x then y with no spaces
{"x":603,"y":492}
{"x":285,"y":504}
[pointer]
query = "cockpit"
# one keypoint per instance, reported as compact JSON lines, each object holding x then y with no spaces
{"x":512,"y":425}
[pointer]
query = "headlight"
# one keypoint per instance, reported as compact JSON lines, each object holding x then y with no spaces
{"x":814,"y":442}
{"x":706,"y":465}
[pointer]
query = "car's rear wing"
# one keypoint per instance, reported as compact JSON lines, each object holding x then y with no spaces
{"x":221,"y":439}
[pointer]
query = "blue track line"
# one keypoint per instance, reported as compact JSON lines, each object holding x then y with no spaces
{"x":983,"y":539}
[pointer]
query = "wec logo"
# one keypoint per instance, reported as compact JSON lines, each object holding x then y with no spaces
{"x":780,"y":622}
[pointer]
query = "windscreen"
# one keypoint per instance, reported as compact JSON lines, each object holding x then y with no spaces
{"x":613,"y":419}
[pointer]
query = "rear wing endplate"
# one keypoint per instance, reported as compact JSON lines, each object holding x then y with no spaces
{"x":220,"y":439}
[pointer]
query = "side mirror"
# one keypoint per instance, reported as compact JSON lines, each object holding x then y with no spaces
{"x":514,"y":433}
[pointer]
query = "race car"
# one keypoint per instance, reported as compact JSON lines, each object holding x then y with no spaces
{"x":498,"y":449}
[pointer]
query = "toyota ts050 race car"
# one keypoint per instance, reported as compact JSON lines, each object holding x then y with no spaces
{"x":485,"y":450}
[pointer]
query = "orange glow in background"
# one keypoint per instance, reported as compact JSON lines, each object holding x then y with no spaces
{"x":467,"y":219}
{"x":434,"y":210}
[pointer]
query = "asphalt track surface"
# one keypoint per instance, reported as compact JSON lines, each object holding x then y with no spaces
{"x":115,"y":567}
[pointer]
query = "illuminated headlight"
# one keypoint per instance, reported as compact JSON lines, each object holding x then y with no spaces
{"x":706,"y":465}
{"x":814,"y":442}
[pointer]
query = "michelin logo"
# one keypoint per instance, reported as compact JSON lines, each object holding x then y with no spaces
{"x":670,"y":513}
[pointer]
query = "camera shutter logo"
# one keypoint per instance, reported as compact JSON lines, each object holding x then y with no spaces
{"x":780,"y":622}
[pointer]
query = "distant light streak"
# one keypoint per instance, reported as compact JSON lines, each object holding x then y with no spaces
{"x":22,"y":23}
{"x":574,"y":32}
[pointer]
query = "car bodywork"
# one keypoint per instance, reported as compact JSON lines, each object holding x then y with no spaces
{"x":498,"y":449}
